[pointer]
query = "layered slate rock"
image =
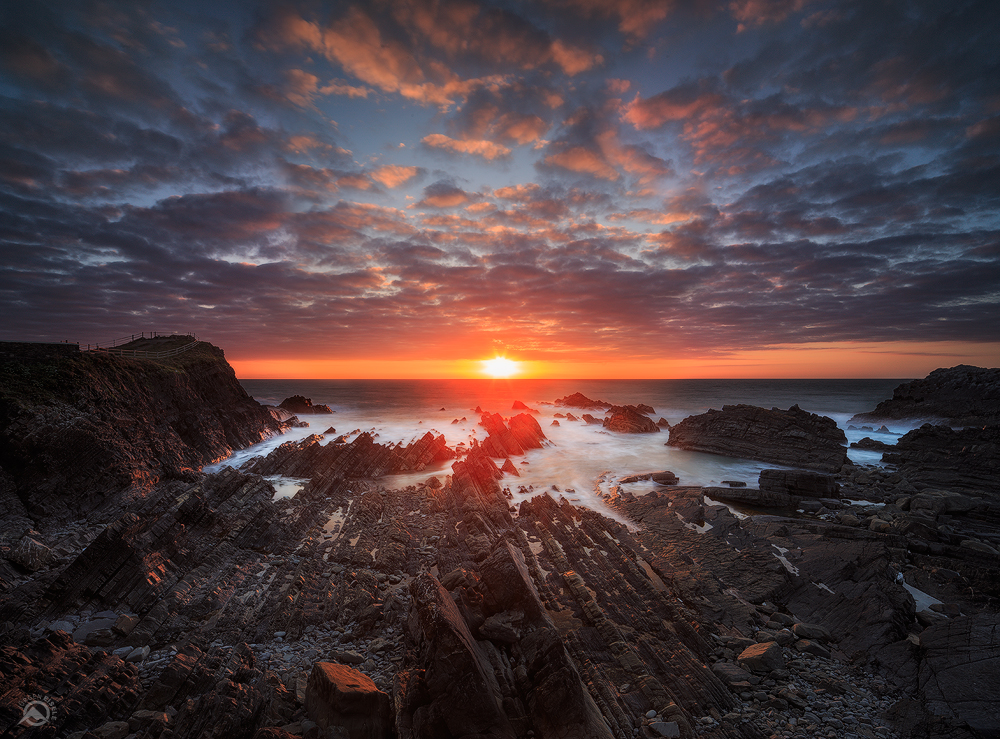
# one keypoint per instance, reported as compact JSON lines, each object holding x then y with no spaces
{"x":628,"y":419}
{"x":799,"y":483}
{"x":965,"y":460}
{"x":89,"y":687}
{"x":794,"y":437}
{"x":960,"y":396}
{"x":513,"y":437}
{"x":330,"y":466}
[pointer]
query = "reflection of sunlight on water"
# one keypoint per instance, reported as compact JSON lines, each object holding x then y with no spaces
{"x":286,"y":487}
{"x":335,"y":523}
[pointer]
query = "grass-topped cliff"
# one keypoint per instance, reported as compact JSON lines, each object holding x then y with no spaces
{"x":75,"y":427}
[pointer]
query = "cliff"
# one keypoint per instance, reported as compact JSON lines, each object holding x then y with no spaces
{"x":960,"y":396}
{"x":75,"y":428}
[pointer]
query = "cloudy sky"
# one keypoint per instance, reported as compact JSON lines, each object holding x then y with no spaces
{"x":647,"y":188}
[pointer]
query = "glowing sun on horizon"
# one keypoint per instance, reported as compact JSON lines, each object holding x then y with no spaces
{"x":500,"y":367}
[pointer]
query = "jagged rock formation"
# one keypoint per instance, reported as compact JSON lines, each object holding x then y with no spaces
{"x":939,"y":456}
{"x":330,"y":466}
{"x":298,"y":404}
{"x":77,"y":429}
{"x":959,"y":396}
{"x":630,"y":419}
{"x":793,"y":437}
{"x":579,"y":400}
{"x":514,"y":437}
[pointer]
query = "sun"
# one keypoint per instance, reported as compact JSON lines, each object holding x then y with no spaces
{"x":501,"y":367}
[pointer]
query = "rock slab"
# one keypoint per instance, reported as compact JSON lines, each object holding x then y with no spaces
{"x":340,"y":696}
{"x":794,"y":437}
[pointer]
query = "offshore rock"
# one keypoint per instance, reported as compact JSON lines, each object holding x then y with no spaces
{"x":332,"y":465}
{"x":793,"y":437}
{"x":629,"y":419}
{"x":960,"y":396}
{"x":966,"y":460}
{"x":513,"y":438}
{"x":871,"y":444}
{"x":297,"y":405}
{"x":579,"y":400}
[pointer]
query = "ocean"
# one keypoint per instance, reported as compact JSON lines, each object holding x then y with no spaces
{"x":580,"y":460}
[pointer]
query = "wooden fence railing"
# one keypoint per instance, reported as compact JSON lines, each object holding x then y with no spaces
{"x":113,"y":346}
{"x":141,"y":354}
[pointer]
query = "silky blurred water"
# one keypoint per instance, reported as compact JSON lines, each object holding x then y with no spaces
{"x":580,"y":457}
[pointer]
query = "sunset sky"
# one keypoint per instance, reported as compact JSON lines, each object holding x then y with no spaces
{"x":735,"y":188}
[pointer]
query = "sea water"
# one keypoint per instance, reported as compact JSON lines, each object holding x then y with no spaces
{"x":580,"y":461}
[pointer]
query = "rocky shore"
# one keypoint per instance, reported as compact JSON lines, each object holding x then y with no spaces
{"x":828,"y":600}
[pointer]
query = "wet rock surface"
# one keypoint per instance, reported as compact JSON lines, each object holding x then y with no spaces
{"x":858,"y":604}
{"x":630,"y":419}
{"x":793,"y":437}
{"x":959,"y":396}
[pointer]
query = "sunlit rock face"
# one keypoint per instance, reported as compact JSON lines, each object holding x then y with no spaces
{"x":629,"y":419}
{"x":793,"y":437}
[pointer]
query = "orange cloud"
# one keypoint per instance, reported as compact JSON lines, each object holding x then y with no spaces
{"x":486,"y":149}
{"x":648,"y":215}
{"x":583,"y":160}
{"x":337,"y":88}
{"x":394,"y":175}
{"x":301,"y":87}
{"x":679,"y":104}
{"x":357,"y":44}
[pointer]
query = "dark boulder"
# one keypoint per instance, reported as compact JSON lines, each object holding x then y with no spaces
{"x":298,"y":404}
{"x":629,"y":419}
{"x":579,"y":400}
{"x":340,"y":697}
{"x":794,"y":437}
{"x":872,"y":445}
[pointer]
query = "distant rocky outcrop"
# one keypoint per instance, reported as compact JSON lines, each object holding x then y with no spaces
{"x":630,"y":419}
{"x":579,"y":400}
{"x":872,"y":445}
{"x":76,"y":429}
{"x":794,"y":437}
{"x":298,"y":405}
{"x":959,"y":396}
